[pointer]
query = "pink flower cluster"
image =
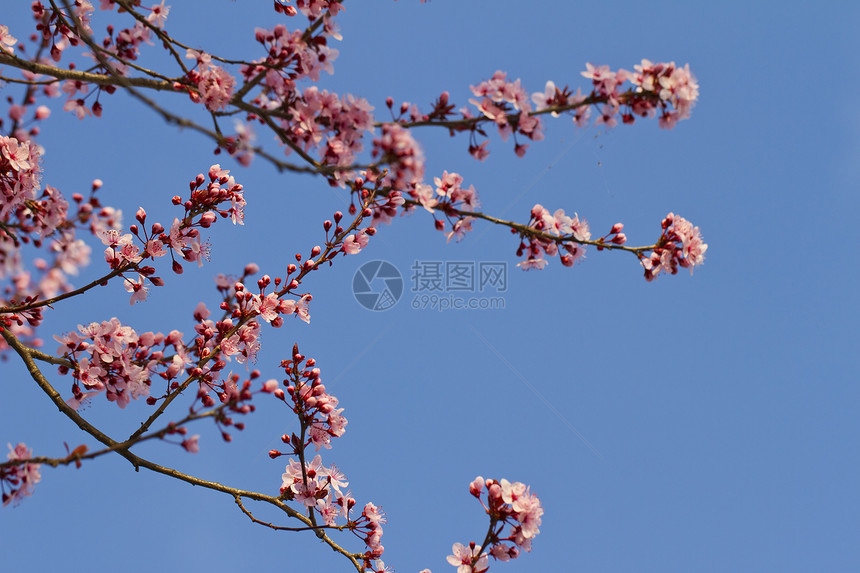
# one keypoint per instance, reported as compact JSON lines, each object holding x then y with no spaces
{"x":313,"y":9}
{"x":401,"y":151}
{"x":233,"y":395}
{"x":225,"y":339}
{"x":680,"y":245}
{"x":20,"y":180}
{"x":116,"y":48}
{"x":333,"y":126}
{"x":291,"y":57}
{"x":510,"y":504}
{"x":29,"y":216}
{"x":558,"y":225}
{"x":316,"y":120}
{"x":318,"y":487}
{"x":215,"y":86}
{"x":201,"y":210}
{"x":450,"y":198}
{"x":507,"y":104}
{"x":20,"y":479}
{"x":112,"y":358}
{"x":312,"y":484}
{"x":317,"y":410}
{"x":241,"y":145}
{"x":656,"y":87}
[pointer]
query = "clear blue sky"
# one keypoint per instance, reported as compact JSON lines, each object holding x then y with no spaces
{"x":721,"y":408}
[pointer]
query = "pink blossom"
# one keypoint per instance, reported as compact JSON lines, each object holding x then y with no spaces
{"x":353,"y":244}
{"x":216,"y":88}
{"x":425,"y":195}
{"x":15,"y":152}
{"x":137,"y":288}
{"x":21,"y":478}
{"x":460,"y":228}
{"x":203,"y":59}
{"x":77,"y":106}
{"x":270,"y":385}
{"x":328,"y":510}
{"x":545,"y":99}
{"x":373,"y":514}
{"x":463,"y":557}
{"x":529,"y":264}
{"x":158,"y":15}
{"x":191,"y":444}
{"x":479,"y":152}
{"x":81,"y":401}
{"x":267,"y":306}
{"x":7,"y":41}
{"x":302,"y":308}
{"x":16,"y":112}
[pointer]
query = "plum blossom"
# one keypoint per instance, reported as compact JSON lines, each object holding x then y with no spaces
{"x":78,"y":107}
{"x":7,"y":41}
{"x":136,"y":288}
{"x":353,"y":244}
{"x":463,"y":558}
{"x":158,"y":15}
{"x":507,"y":503}
{"x":460,"y":228}
{"x":680,"y":245}
{"x":20,"y":479}
{"x":191,"y":444}
{"x":110,"y":358}
{"x":216,"y":88}
{"x":559,"y":225}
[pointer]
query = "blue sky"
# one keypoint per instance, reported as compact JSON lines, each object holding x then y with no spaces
{"x":703,"y":423}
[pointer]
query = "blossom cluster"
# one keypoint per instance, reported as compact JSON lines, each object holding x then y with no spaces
{"x":507,"y":504}
{"x":20,"y":479}
{"x":557,"y":225}
{"x":332,"y":126}
{"x":507,"y":104}
{"x":319,"y":487}
{"x":45,"y":219}
{"x":317,"y":410}
{"x":238,"y":335}
{"x":215,"y":87}
{"x":663,"y":87}
{"x":292,"y":56}
{"x":398,"y":148}
{"x":451,"y":198}
{"x":59,"y":30}
{"x":201,"y":210}
{"x":113,"y":358}
{"x":680,"y":245}
{"x":314,"y":120}
{"x":310,"y":483}
{"x":20,"y":175}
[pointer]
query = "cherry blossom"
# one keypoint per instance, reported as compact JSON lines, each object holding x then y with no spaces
{"x":467,"y":559}
{"x":20,"y":479}
{"x":7,"y":41}
{"x":680,"y":245}
{"x":158,"y":15}
{"x":216,"y":87}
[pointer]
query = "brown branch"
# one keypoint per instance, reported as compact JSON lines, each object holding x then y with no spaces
{"x":97,"y":79}
{"x":64,"y":296}
{"x":285,"y":528}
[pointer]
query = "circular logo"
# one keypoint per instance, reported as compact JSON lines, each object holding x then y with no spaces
{"x":377,"y":285}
